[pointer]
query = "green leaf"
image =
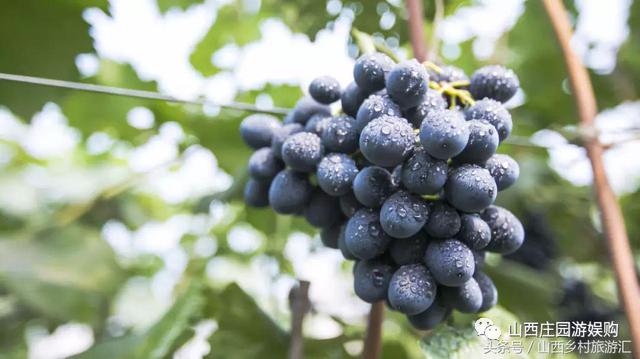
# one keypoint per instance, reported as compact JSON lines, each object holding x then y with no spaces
{"x":31,"y":46}
{"x":64,"y":274}
{"x":449,"y":342}
{"x":166,"y":5}
{"x":162,"y":338}
{"x":159,"y":340}
{"x":245,"y":331}
{"x":461,"y":341}
{"x":232,"y":25}
{"x":121,"y":347}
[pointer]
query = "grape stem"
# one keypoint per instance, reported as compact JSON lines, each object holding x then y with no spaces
{"x":373,"y":340}
{"x":450,"y":89}
{"x":380,"y":46}
{"x":430,"y":65}
{"x":367,"y":44}
{"x":364,"y":41}
{"x":610,"y":212}
{"x":300,"y":306}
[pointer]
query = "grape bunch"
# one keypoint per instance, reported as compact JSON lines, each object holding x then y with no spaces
{"x":402,"y":179}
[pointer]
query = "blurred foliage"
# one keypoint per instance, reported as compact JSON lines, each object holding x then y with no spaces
{"x":30,"y":47}
{"x":51,"y":274}
{"x":73,"y":265}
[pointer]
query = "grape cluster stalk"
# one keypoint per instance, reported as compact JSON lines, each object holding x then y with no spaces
{"x":402,"y":179}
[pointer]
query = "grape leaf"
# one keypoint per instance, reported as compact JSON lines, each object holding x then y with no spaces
{"x":73,"y":265}
{"x":232,"y":25}
{"x":245,"y":331}
{"x":166,"y":5}
{"x":162,"y":338}
{"x":158,"y":341}
{"x":30,"y":47}
{"x":459,"y":340}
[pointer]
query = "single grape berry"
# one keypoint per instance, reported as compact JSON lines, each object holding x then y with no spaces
{"x":482,"y":144}
{"x":281,"y":134}
{"x":387,"y":141}
{"x":302,"y":151}
{"x":507,"y":233}
{"x":466,"y":298}
{"x":349,"y":204}
{"x":504,"y":170}
{"x":403,"y":214}
{"x":396,"y":177}
{"x":423,"y":174}
{"x":364,"y":237}
{"x":307,"y":107}
{"x":495,"y":82}
{"x":409,"y":250}
{"x":433,"y":100}
{"x":323,"y":210}
{"x":351,"y":99}
{"x":288,"y":118}
{"x":474,"y":232}
{"x":264,"y":165}
{"x":373,"y":107}
{"x":488,"y":289}
{"x":317,"y":123}
{"x":325,"y":90}
{"x":340,"y":135}
{"x":371,"y":279}
{"x":370,"y":69}
{"x":412,"y":289}
{"x":449,"y":73}
{"x":290,"y":192}
{"x":494,"y":113}
{"x":479,"y":257}
{"x":329,"y":235}
{"x":335,"y":174}
{"x":256,"y":130}
{"x":444,"y":221}
{"x":342,"y":245}
{"x":444,"y":133}
{"x":256,"y":192}
{"x":434,"y":315}
{"x":450,"y":262}
{"x":372,"y":186}
{"x":470,"y":188}
{"x":407,"y":83}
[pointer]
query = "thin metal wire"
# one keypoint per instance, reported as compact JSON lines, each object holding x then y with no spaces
{"x":149,"y":95}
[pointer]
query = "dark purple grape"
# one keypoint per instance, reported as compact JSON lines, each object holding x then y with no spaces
{"x":325,"y":89}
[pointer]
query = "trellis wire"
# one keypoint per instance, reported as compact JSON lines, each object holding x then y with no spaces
{"x":149,"y":95}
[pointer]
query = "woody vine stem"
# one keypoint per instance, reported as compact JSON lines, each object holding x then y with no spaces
{"x":610,"y":212}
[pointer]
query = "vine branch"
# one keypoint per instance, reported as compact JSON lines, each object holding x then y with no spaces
{"x":300,"y":305}
{"x":416,"y":29}
{"x":373,"y":341}
{"x":610,"y":212}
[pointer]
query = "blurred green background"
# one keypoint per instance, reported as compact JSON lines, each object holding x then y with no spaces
{"x":122,"y":228}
